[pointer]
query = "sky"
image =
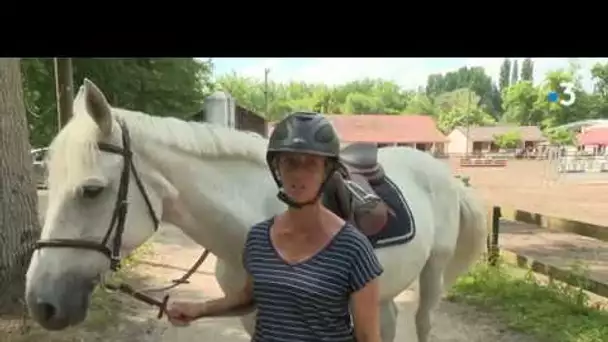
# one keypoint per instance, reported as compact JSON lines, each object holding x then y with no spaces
{"x":410,"y":73}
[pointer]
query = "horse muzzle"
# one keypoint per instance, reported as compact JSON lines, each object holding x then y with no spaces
{"x":59,"y":303}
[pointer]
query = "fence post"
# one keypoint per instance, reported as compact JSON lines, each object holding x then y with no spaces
{"x":492,"y":242}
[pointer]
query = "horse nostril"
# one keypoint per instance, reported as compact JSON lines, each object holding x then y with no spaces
{"x":46,"y":311}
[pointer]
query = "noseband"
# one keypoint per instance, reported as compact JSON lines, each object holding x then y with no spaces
{"x":117,"y":224}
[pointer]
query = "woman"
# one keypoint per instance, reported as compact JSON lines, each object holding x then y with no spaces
{"x":309,"y":272}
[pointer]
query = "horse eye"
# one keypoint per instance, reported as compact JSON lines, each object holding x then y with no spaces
{"x":91,"y":191}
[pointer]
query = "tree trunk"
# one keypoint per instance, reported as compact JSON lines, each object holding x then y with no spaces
{"x":19,"y":225}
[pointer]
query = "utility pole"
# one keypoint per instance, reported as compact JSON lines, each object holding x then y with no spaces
{"x":266,"y":72}
{"x":64,"y":88}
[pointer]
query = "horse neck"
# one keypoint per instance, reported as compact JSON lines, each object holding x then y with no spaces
{"x":227,"y":196}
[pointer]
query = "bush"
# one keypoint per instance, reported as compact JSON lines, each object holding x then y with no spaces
{"x":554,"y":312}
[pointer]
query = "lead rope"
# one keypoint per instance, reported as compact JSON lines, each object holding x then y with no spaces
{"x":161,"y":305}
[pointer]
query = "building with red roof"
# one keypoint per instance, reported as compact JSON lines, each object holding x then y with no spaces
{"x":593,"y":139}
{"x":593,"y":136}
{"x":419,"y":131}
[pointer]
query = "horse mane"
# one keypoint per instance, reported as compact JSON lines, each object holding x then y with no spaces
{"x":73,"y":152}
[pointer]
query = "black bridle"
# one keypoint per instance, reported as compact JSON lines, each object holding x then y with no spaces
{"x":119,"y":216}
{"x":117,"y":225}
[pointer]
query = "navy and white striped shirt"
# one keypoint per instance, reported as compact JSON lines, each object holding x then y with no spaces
{"x":307,"y":301}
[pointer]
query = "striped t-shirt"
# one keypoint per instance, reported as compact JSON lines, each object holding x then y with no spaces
{"x":307,"y":301}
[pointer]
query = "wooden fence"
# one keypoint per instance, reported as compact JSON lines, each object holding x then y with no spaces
{"x":547,"y":222}
{"x":482,"y":162}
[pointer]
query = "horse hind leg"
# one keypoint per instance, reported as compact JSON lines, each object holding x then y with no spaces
{"x":430,"y":290}
{"x":388,"y":320}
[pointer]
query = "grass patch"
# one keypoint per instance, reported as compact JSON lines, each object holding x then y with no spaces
{"x":106,"y":310}
{"x":553,"y":312}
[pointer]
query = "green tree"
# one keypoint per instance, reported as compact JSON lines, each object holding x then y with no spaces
{"x":359,"y":103}
{"x":560,"y":136}
{"x":598,"y":100}
{"x":159,"y":86}
{"x":520,"y":104}
{"x":514,"y":72}
{"x":493,"y":103}
{"x":444,"y":97}
{"x":460,"y":108}
{"x":422,"y":104}
{"x":366,"y":96}
{"x":508,"y":140}
{"x":474,"y":78}
{"x":505,"y":75}
{"x":527,"y":70}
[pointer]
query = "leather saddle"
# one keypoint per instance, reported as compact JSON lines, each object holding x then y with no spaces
{"x":350,"y":192}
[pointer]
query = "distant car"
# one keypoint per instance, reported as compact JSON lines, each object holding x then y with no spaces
{"x":39,"y":163}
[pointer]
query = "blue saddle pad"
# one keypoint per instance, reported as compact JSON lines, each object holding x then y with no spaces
{"x":400,"y":227}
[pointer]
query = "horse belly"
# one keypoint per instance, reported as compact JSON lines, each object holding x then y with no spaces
{"x":403,"y":263}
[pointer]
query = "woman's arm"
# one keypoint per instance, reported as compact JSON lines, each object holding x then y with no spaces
{"x":241,"y":303}
{"x":235,"y":305}
{"x":365,"y":289}
{"x":366,"y":316}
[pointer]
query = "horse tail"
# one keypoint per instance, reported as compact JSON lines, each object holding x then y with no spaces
{"x":472,"y":235}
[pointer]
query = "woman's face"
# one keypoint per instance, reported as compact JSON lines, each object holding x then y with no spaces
{"x":301,"y":174}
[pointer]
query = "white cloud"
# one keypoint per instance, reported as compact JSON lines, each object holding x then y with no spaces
{"x":408,"y":72}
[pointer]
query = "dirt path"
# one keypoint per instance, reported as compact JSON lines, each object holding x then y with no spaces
{"x":174,"y":253}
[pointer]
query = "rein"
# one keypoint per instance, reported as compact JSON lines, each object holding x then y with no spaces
{"x":117,"y":227}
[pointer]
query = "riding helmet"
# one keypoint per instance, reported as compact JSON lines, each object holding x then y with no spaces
{"x":304,"y":132}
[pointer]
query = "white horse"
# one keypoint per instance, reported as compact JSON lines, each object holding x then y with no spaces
{"x":222,"y":177}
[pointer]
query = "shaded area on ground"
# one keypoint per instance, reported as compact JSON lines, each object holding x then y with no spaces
{"x":559,"y":249}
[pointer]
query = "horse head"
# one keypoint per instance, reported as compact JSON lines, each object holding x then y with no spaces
{"x":103,"y":202}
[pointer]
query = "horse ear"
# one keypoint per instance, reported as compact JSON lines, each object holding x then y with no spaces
{"x":97,"y":106}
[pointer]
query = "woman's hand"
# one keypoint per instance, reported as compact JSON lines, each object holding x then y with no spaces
{"x":182,"y":313}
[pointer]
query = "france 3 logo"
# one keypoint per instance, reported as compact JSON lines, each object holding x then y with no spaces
{"x":565,"y":96}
